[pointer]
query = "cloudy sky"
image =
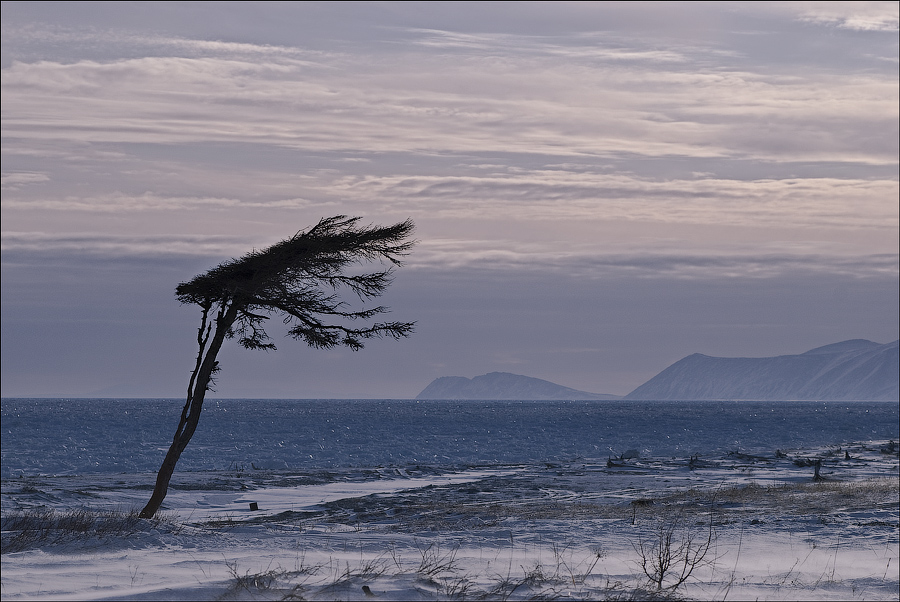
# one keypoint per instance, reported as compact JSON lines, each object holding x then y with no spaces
{"x":599,"y":189}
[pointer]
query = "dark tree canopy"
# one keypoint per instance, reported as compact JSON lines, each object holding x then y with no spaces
{"x":299,"y":279}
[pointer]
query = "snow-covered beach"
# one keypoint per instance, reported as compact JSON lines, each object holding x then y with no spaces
{"x":751,"y":523}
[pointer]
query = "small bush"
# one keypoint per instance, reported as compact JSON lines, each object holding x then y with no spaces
{"x":673,"y":552}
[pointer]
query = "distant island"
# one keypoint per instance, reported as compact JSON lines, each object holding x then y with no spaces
{"x":851,"y":370}
{"x":503,"y":385}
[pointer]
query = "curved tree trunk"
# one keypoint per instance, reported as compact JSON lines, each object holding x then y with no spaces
{"x":200,"y":382}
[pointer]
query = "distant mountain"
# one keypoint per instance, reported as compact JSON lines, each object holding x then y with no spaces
{"x":502,"y":385}
{"x":850,"y":370}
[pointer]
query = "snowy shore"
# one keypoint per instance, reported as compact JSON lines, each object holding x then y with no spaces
{"x":745,"y":526}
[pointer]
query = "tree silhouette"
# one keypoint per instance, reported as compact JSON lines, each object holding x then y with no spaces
{"x":298,"y":279}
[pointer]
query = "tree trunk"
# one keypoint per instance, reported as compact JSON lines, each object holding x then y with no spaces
{"x":190,"y":417}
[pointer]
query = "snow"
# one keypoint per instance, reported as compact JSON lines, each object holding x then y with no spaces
{"x":563,"y":530}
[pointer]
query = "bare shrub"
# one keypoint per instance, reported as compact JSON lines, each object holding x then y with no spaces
{"x":256,"y":581}
{"x":675,"y":551}
{"x":457,"y":588}
{"x":435,"y":562}
{"x":577,"y":572}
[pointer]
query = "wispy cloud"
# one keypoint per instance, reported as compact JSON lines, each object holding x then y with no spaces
{"x":16,"y":180}
{"x":505,"y":193}
{"x":119,"y":202}
{"x":38,"y":245}
{"x":562,"y":194}
{"x":23,"y":37}
{"x":406,"y":102}
{"x":714,"y":263}
{"x":860,"y":16}
{"x":594,"y":46}
{"x":586,"y":261}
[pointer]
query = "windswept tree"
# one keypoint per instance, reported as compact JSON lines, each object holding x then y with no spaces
{"x":299,"y":279}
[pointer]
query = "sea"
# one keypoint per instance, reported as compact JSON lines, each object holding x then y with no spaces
{"x":109,"y":436}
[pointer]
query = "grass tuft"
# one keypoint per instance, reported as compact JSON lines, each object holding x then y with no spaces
{"x":40,"y":526}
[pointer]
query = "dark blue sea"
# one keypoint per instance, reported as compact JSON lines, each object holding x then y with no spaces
{"x":89,"y":436}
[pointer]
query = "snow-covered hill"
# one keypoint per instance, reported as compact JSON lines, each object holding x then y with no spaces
{"x":502,"y":385}
{"x":850,"y":370}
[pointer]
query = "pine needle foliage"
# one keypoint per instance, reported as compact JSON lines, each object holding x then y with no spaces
{"x":300,"y":279}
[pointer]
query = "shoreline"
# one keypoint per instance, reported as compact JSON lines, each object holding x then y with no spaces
{"x":578,"y":530}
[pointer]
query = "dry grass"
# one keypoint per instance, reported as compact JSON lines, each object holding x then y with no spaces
{"x":738,"y":502}
{"x":37,"y":527}
{"x":791,"y":498}
{"x":438,"y":573}
{"x":433,"y":573}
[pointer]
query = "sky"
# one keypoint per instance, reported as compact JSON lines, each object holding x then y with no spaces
{"x":599,"y":189}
